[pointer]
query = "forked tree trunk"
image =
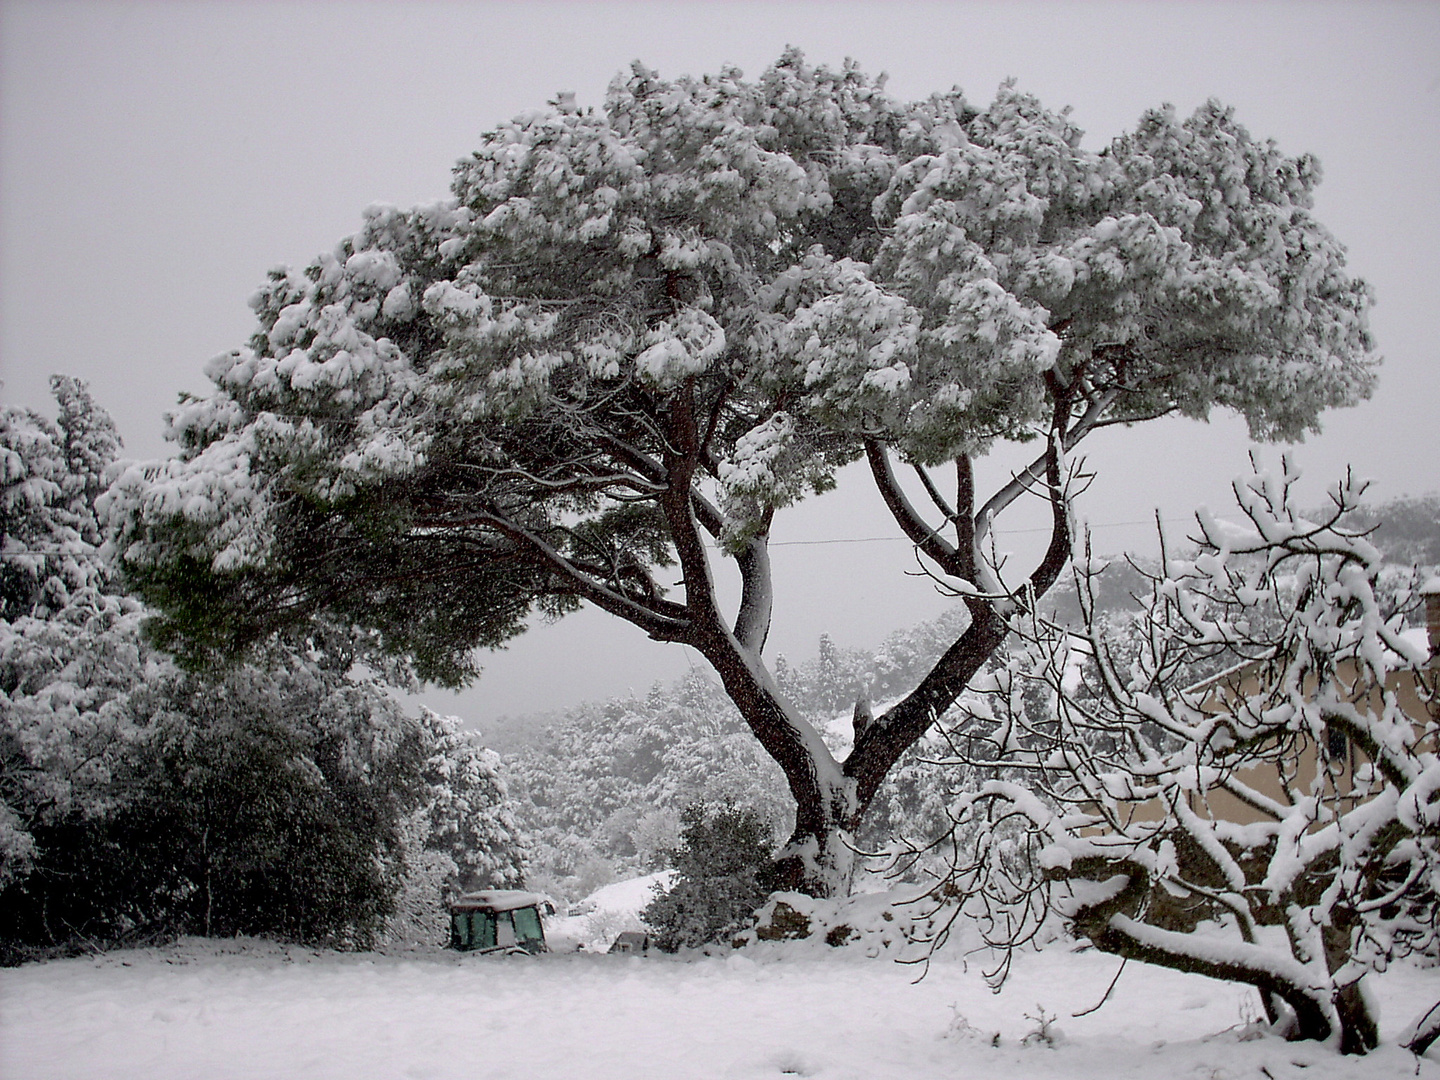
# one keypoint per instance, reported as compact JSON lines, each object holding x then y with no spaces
{"x":831,"y":797}
{"x":819,"y":858}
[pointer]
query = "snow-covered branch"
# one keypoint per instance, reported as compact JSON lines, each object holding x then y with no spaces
{"x":1292,"y":797}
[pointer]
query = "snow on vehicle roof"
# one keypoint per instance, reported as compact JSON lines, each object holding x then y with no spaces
{"x":496,"y":900}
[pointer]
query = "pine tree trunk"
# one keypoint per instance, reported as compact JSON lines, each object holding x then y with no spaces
{"x":819,"y":858}
{"x":831,"y":798}
{"x":817,"y":862}
{"x":884,"y":741}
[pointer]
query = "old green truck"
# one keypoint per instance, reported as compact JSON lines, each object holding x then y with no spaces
{"x":499,"y":920}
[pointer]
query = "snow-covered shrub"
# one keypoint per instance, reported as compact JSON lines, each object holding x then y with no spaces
{"x":419,"y":917}
{"x":656,"y":834}
{"x":290,"y":796}
{"x":721,"y":876}
{"x":287,"y":800}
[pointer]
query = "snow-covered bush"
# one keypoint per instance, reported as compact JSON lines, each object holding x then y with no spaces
{"x":291,"y":796}
{"x":287,"y":799}
{"x":722,"y":874}
{"x":1292,"y":799}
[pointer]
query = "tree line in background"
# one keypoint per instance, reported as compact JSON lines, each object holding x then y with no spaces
{"x":289,"y":796}
{"x":601,"y":788}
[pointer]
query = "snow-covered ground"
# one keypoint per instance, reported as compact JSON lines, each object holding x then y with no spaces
{"x":222,"y":1009}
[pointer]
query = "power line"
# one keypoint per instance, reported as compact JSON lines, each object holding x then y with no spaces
{"x":995,"y":532}
{"x":773,"y":543}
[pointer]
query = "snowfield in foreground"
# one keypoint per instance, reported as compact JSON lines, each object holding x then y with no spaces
{"x":221,"y":1009}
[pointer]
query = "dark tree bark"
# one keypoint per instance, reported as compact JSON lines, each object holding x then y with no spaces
{"x":1427,"y":1030}
{"x":1112,"y":927}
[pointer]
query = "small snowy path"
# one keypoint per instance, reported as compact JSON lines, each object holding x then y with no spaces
{"x":218,"y":1010}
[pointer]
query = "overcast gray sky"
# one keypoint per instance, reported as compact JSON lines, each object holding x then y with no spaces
{"x":157,"y":158}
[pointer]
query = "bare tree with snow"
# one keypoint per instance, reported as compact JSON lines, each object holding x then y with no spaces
{"x":1276,"y":824}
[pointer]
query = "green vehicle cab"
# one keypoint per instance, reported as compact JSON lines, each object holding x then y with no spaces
{"x":499,"y":920}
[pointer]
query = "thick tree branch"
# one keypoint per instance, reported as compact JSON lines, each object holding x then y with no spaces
{"x":965,"y":518}
{"x":678,"y":502}
{"x":921,"y":535}
{"x":1057,"y":554}
{"x":883,"y":742}
{"x":1243,"y":963}
{"x":1110,"y":924}
{"x":757,"y":594}
{"x":658,"y":626}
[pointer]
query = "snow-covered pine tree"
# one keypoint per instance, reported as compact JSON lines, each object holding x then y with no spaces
{"x":469,"y":811}
{"x":69,"y":649}
{"x":50,"y":476}
{"x":635,"y":331}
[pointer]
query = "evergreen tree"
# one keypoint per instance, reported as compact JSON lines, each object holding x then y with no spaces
{"x":722,"y":874}
{"x":50,"y":477}
{"x":138,"y":799}
{"x":634,"y":332}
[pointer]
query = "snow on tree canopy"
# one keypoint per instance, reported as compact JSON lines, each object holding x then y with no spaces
{"x":686,"y":309}
{"x":50,"y":476}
